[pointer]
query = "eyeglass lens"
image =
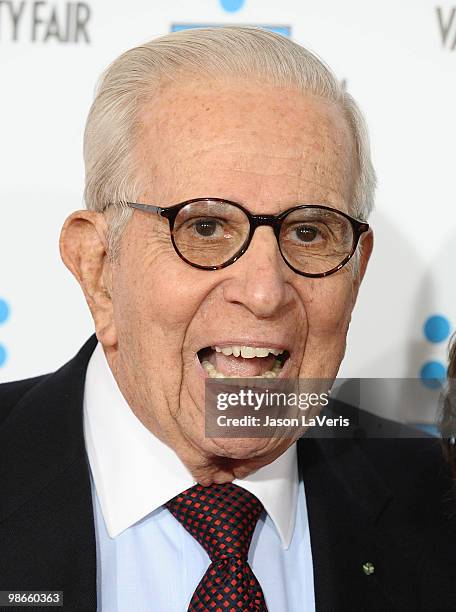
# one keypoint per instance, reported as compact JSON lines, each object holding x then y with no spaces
{"x":313,"y":240}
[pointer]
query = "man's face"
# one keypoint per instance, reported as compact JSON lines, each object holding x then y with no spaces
{"x":268,"y":149}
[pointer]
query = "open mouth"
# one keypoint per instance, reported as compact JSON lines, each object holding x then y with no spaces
{"x":236,"y":361}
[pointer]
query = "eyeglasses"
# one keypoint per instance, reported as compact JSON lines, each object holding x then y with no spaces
{"x":211,"y":233}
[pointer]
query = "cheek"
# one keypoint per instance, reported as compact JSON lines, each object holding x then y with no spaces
{"x":328,"y":315}
{"x":330,"y":305}
{"x":157,"y":297}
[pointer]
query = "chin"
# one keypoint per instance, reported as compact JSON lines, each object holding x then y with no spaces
{"x":240,"y":448}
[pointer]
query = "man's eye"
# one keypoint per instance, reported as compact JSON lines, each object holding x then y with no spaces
{"x":206,"y":227}
{"x":307,"y":233}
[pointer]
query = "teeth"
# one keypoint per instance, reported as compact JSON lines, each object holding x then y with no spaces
{"x":213,"y":373}
{"x":247,"y":352}
{"x":208,"y":366}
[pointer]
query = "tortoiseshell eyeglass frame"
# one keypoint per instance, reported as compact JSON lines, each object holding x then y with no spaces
{"x":274,"y":221}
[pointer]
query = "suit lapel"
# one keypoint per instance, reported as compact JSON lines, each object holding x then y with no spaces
{"x":356,"y":526}
{"x":46,"y":515}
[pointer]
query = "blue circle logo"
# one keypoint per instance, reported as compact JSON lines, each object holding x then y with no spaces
{"x":437,"y":328}
{"x":433,"y":374}
{"x":4,"y":311}
{"x":4,"y":315}
{"x":231,"y":6}
{"x":3,"y":355}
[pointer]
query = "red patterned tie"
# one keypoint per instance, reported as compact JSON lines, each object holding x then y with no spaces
{"x":222,"y":518}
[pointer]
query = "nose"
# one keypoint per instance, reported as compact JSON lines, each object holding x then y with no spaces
{"x":260,"y":278}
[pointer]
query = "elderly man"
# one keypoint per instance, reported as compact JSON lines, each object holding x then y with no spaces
{"x":228,"y":182}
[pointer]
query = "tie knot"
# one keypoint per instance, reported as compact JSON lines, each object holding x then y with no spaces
{"x":221,"y":517}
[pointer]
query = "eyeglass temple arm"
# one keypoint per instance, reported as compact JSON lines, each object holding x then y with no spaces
{"x":148,"y":208}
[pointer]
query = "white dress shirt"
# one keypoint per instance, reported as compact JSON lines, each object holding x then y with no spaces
{"x":146,"y":560}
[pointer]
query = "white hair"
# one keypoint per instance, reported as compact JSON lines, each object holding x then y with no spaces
{"x":233,"y":51}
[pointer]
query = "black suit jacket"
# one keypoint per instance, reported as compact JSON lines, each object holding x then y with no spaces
{"x":383,"y":501}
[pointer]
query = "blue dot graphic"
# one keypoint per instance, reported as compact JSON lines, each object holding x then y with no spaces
{"x":4,"y":311}
{"x":433,"y":374}
{"x":437,"y":328}
{"x":3,"y":355}
{"x":232,"y":5}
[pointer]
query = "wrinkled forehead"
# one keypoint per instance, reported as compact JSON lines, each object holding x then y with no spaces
{"x":256,"y":143}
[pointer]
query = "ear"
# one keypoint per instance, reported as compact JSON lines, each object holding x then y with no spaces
{"x":83,"y":247}
{"x":366,"y":246}
{"x":365,"y":249}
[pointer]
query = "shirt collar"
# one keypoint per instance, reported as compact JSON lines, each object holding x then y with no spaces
{"x":135,"y":473}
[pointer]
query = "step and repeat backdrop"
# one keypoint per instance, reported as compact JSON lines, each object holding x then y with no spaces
{"x":397,"y":58}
